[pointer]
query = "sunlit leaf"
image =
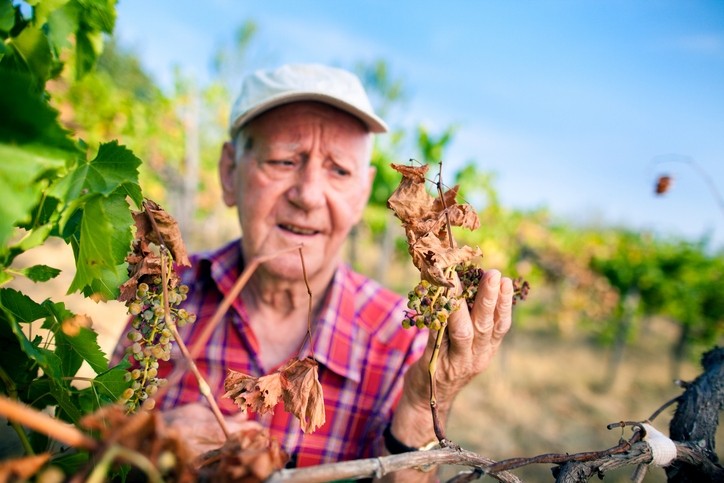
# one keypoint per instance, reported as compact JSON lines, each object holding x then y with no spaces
{"x":40,"y":273}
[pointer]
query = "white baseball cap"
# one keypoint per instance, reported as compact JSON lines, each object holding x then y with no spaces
{"x":265,"y":89}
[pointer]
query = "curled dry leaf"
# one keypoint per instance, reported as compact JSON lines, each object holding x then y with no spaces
{"x":144,"y":432}
{"x":251,"y":455}
{"x":144,"y":259}
{"x":258,"y":394}
{"x":302,"y":393}
{"x":21,"y":469}
{"x":296,"y":383}
{"x":425,"y":218}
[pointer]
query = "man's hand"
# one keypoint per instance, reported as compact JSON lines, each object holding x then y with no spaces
{"x":471,"y":342}
{"x":197,"y":426}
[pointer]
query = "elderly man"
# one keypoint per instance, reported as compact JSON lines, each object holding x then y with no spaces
{"x":297,"y":169}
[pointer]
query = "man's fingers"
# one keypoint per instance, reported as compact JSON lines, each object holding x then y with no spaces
{"x":504,"y":309}
{"x":485,"y":302}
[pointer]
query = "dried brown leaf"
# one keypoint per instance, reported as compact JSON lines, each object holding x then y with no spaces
{"x":425,"y":219}
{"x":169,"y":230}
{"x":144,"y":259}
{"x":302,"y":393}
{"x":144,"y":432}
{"x":296,"y":383}
{"x":258,"y":394}
{"x":270,"y":388}
{"x":251,"y":455}
{"x":241,"y":388}
{"x":21,"y":469}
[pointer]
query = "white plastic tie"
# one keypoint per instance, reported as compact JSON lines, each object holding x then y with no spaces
{"x":663,"y":449}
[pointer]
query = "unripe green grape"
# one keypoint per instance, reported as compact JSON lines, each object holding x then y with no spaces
{"x":151,"y":339}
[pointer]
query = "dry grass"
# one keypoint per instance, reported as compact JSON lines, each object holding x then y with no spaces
{"x":543,"y":395}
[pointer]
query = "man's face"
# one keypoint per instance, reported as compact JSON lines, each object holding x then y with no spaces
{"x":302,"y":176}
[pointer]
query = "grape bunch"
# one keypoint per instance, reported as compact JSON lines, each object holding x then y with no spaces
{"x":430,"y":306}
{"x":151,"y":340}
{"x":470,"y":277}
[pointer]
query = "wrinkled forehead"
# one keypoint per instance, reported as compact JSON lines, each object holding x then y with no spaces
{"x":306,"y":111}
{"x":286,"y":123}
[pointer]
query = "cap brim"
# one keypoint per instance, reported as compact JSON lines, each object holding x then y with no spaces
{"x":373,"y":123}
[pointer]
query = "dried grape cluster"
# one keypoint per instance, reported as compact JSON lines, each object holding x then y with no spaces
{"x":470,"y":277}
{"x":151,"y":339}
{"x":430,"y":306}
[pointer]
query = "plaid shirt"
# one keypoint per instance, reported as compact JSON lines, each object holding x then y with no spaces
{"x":359,"y":343}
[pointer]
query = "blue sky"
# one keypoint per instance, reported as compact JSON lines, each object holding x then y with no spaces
{"x":575,"y":105}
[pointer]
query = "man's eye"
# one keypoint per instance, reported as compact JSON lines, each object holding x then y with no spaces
{"x":280,"y":163}
{"x":340,"y":171}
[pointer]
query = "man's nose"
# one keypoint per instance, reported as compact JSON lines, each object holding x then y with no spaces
{"x":307,"y":192}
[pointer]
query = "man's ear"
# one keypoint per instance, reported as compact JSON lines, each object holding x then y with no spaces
{"x":227,"y":173}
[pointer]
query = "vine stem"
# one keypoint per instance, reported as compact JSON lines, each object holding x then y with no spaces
{"x":171,"y":324}
{"x":432,"y":370}
{"x":432,"y":367}
{"x":309,"y":309}
{"x":41,"y":422}
{"x":100,"y":470}
{"x":13,"y":393}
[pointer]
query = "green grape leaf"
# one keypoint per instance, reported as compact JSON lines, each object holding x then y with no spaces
{"x":88,"y":47}
{"x":105,"y":238}
{"x":71,"y":461}
{"x":40,"y":273}
{"x":32,"y":143}
{"x":95,"y":18}
{"x":19,"y":193}
{"x":32,"y":53}
{"x":39,"y":393}
{"x":62,"y":20}
{"x":7,"y":15}
{"x":73,"y":350}
{"x":20,"y":368}
{"x":98,"y":15}
{"x":30,"y":120}
{"x":106,"y":388}
{"x":108,"y":286}
{"x":67,"y":404}
{"x":114,"y":168}
{"x":21,"y":307}
{"x":5,"y":277}
{"x":46,"y":359}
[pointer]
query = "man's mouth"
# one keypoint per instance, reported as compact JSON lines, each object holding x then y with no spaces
{"x":297,"y":230}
